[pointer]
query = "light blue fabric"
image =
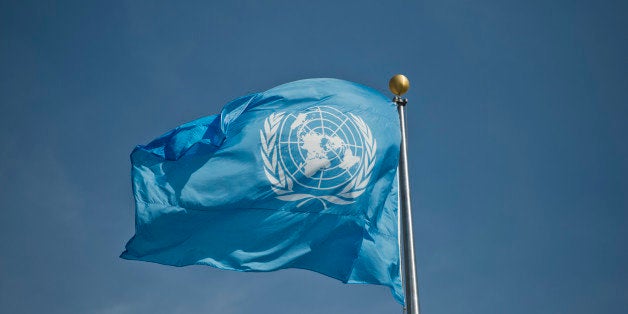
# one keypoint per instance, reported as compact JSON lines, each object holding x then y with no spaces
{"x":300,"y":176}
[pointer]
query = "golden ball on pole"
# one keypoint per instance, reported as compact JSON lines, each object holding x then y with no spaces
{"x":399,"y":84}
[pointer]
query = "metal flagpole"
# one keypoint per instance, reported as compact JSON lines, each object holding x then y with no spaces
{"x":399,"y":85}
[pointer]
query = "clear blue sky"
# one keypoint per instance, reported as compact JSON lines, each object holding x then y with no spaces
{"x":518,"y":119}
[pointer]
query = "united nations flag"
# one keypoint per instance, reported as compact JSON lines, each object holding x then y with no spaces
{"x":300,"y":176}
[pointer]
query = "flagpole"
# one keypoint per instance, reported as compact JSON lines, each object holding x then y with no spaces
{"x":399,"y":85}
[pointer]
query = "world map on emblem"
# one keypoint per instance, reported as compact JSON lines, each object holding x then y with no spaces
{"x":320,"y":148}
{"x":317,"y":155}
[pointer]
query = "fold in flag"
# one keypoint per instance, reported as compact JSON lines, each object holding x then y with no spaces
{"x":303,"y":175}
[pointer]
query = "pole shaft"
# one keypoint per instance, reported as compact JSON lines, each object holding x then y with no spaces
{"x":410,"y":281}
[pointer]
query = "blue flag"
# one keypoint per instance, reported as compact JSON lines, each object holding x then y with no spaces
{"x":303,"y":175}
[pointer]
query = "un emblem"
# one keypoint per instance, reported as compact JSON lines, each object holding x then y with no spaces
{"x":320,"y":154}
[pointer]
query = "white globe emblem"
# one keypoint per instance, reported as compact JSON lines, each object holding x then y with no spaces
{"x":318,"y":154}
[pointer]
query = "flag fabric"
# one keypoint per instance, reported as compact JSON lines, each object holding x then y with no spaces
{"x":303,"y":175}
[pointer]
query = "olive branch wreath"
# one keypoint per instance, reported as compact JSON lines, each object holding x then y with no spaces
{"x":282,"y":184}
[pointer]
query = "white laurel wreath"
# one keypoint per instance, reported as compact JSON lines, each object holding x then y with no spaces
{"x":282,"y":184}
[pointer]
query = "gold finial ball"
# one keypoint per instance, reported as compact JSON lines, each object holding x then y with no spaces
{"x":399,"y":84}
